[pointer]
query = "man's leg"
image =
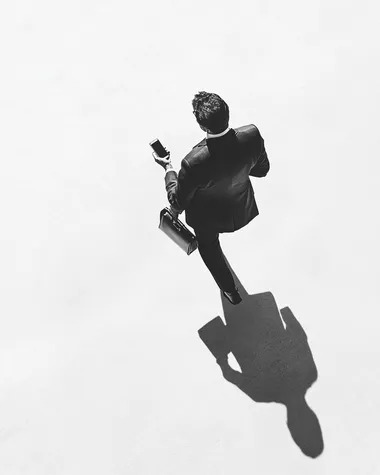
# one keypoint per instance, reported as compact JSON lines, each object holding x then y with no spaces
{"x":212,"y":255}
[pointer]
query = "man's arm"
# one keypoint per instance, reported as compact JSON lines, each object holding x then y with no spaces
{"x":292,"y":324}
{"x":261,"y":166}
{"x":180,"y":188}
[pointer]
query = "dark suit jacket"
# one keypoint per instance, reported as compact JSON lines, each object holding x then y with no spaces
{"x":213,"y":185}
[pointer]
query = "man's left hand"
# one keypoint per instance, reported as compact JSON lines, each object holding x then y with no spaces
{"x":163,"y":161}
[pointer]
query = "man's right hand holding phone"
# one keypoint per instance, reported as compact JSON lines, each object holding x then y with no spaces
{"x":163,"y":161}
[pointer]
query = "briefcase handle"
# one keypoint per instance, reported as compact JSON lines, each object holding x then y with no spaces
{"x":176,"y":225}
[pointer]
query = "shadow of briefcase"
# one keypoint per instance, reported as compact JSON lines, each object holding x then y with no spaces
{"x":215,"y":336}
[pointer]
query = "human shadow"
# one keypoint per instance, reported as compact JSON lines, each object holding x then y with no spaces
{"x":276,"y":362}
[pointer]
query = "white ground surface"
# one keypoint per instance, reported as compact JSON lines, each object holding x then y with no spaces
{"x":101,"y":368}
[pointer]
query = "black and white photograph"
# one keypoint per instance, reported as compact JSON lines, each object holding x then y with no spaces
{"x":190,"y":234}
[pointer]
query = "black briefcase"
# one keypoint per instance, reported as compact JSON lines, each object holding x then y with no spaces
{"x":177,"y":231}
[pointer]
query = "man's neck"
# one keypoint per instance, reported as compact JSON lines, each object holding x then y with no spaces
{"x":214,"y":136}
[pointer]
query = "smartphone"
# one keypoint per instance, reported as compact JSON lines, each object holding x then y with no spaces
{"x":158,"y":148}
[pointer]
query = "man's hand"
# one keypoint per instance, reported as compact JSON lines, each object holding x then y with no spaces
{"x":163,"y":161}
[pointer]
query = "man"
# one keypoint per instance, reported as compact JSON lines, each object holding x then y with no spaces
{"x":213,"y":184}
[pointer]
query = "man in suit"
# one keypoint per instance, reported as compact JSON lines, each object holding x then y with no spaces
{"x":213,"y":184}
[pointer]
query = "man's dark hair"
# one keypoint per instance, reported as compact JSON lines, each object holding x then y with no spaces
{"x":211,"y":111}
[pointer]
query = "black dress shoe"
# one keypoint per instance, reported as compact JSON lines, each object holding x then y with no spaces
{"x":234,"y":296}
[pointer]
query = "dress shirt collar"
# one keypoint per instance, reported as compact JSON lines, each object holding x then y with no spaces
{"x":214,"y":136}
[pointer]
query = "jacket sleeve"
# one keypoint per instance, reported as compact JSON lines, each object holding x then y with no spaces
{"x":261,"y":165}
{"x":180,"y":188}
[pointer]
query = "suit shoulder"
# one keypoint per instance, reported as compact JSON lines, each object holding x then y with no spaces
{"x":202,"y":143}
{"x":248,"y":135}
{"x":197,"y":155}
{"x":249,"y":130}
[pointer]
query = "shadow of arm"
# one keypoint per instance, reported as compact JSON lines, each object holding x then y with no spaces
{"x":230,"y":374}
{"x":292,"y":324}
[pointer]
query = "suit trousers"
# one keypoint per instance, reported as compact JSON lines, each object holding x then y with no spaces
{"x":212,"y":255}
